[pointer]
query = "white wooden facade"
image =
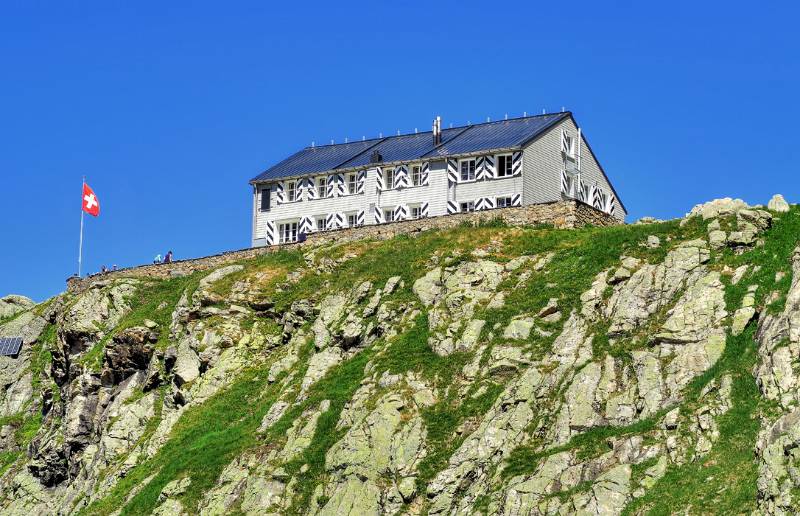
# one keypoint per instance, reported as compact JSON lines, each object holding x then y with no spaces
{"x":556,"y":164}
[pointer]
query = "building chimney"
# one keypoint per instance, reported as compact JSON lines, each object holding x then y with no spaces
{"x":437,"y":130}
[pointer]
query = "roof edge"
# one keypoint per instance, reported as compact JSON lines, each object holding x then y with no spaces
{"x":599,"y":165}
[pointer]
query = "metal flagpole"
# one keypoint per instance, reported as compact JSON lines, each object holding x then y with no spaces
{"x":80,"y":243}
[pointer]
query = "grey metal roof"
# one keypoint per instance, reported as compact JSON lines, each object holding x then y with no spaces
{"x":402,"y":148}
{"x":316,"y":159}
{"x":455,"y":141}
{"x":496,"y":135}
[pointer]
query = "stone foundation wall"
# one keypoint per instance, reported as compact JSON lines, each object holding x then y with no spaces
{"x":562,"y":214}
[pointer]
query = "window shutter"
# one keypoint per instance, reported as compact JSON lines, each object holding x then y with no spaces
{"x":489,"y":167}
{"x":360,"y":181}
{"x":270,"y":234}
{"x":311,"y":188}
{"x":265,"y":199}
{"x":516,"y":200}
{"x":516,"y":163}
{"x":423,"y":175}
{"x":280,"y":196}
{"x":401,"y":212}
{"x":339,"y":184}
{"x":379,"y":179}
{"x":484,"y":203}
{"x":378,"y":215}
{"x":480,"y":168}
{"x":565,"y":183}
{"x":452,"y":207}
{"x":611,"y":203}
{"x":423,"y":210}
{"x":401,"y":176}
{"x":452,"y":171}
{"x":306,"y":225}
{"x":330,"y":221}
{"x":361,"y":217}
{"x":596,"y":193}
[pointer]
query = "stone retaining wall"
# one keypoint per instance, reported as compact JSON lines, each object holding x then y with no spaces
{"x":562,"y":214}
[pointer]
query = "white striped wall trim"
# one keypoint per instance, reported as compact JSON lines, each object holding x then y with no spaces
{"x":423,"y":179}
{"x":516,"y":163}
{"x":270,"y":233}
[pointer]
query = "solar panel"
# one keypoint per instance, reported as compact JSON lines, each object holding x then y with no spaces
{"x":402,"y":148}
{"x":497,"y":135}
{"x":315,"y":159}
{"x":501,"y":134}
{"x":10,"y":346}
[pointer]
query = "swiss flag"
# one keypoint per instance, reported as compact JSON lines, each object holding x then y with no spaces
{"x":90,"y":204}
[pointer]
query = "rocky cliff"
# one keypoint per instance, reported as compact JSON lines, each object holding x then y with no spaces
{"x":478,"y":369}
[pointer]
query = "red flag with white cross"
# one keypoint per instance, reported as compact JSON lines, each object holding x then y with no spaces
{"x":90,"y":203}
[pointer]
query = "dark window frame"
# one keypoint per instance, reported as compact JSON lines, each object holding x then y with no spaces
{"x":265,"y":199}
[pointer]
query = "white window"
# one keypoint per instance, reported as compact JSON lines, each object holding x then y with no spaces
{"x":287,"y":232}
{"x":388,"y":215}
{"x":416,"y":175}
{"x":416,"y":212}
{"x":467,"y":206}
{"x":322,"y":183}
{"x":352,"y":220}
{"x":319,"y":223}
{"x":291,"y":191}
{"x":388,"y":178}
{"x":504,"y":165}
{"x":467,"y":167}
{"x":503,"y":202}
{"x":352,"y":183}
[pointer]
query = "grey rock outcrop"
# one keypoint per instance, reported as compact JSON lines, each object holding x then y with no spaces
{"x":452,"y":295}
{"x":12,"y":305}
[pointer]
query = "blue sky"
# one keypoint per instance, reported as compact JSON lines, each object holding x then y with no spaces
{"x":169,"y":108}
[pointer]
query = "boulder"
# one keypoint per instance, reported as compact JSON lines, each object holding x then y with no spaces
{"x":518,"y":329}
{"x":778,"y":203}
{"x":718,"y":207}
{"x":12,"y":305}
{"x":187,"y":363}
